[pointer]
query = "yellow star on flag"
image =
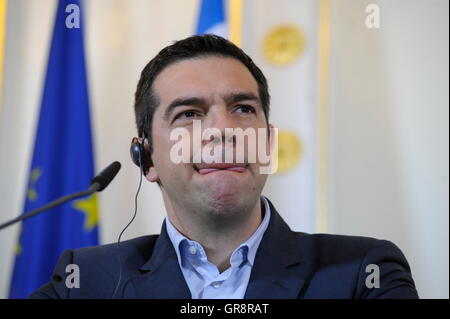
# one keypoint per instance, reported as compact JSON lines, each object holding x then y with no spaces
{"x":89,"y":207}
{"x":36,"y":173}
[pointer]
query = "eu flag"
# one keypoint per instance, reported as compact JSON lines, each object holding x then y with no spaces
{"x":62,"y":160}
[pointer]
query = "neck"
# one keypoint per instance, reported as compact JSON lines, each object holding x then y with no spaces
{"x":219,"y":237}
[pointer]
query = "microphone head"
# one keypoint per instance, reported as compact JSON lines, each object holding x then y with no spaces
{"x":106,"y":176}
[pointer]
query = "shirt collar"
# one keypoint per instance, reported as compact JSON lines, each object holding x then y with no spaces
{"x":250,"y":246}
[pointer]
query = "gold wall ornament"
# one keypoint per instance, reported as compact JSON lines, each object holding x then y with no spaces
{"x":284,"y":44}
{"x":289,"y":150}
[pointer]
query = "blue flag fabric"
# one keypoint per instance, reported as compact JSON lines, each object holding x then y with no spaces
{"x":62,"y":162}
{"x":212,"y":18}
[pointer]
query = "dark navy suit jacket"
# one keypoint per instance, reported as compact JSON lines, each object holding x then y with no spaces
{"x":287,"y":265}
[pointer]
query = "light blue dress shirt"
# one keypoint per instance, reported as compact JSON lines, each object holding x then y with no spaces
{"x":203,"y":277}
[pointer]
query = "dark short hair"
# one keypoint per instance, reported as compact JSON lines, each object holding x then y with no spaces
{"x":146,"y":101}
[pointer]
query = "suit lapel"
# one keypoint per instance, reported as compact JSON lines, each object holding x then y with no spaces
{"x":161,"y":276}
{"x":279,"y":270}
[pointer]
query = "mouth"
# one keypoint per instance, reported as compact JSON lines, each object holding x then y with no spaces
{"x":204,"y":169}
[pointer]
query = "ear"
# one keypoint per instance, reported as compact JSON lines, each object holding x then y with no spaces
{"x":272,"y":138}
{"x":151,"y":174}
{"x":273,"y":150}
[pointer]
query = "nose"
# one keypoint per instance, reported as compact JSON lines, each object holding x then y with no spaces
{"x":215,"y":124}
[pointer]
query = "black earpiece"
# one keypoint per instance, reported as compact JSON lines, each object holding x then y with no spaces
{"x":139,"y":155}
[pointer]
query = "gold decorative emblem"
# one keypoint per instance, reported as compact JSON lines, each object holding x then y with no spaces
{"x":284,"y":44}
{"x":289,"y":151}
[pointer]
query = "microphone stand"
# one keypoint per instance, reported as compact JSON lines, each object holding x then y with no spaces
{"x":92,"y":189}
{"x":98,"y":184}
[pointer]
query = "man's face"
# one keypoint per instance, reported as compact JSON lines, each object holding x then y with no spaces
{"x":220,"y":93}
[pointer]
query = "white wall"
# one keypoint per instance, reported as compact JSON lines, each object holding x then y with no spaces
{"x":388,"y":127}
{"x":389,"y":131}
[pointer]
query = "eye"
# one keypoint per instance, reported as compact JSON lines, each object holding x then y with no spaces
{"x":246,"y":109}
{"x":187,"y":114}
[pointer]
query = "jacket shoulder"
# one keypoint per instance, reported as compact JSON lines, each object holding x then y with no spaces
{"x":374,"y":268}
{"x":343,"y":244}
{"x":348,"y":250}
{"x":134,"y":252}
{"x":97,"y":267}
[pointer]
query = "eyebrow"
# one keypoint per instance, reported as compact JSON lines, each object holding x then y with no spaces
{"x":229,"y":98}
{"x":235,"y":97}
{"x":183,"y":102}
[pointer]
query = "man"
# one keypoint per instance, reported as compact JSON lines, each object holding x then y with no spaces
{"x":221,"y":238}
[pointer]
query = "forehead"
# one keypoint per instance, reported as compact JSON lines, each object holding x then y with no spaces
{"x":206,"y":77}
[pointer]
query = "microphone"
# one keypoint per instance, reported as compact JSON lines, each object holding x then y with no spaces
{"x":102,"y":180}
{"x":98,"y":183}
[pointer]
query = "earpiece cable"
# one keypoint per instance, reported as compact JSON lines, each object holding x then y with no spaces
{"x":123,"y":230}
